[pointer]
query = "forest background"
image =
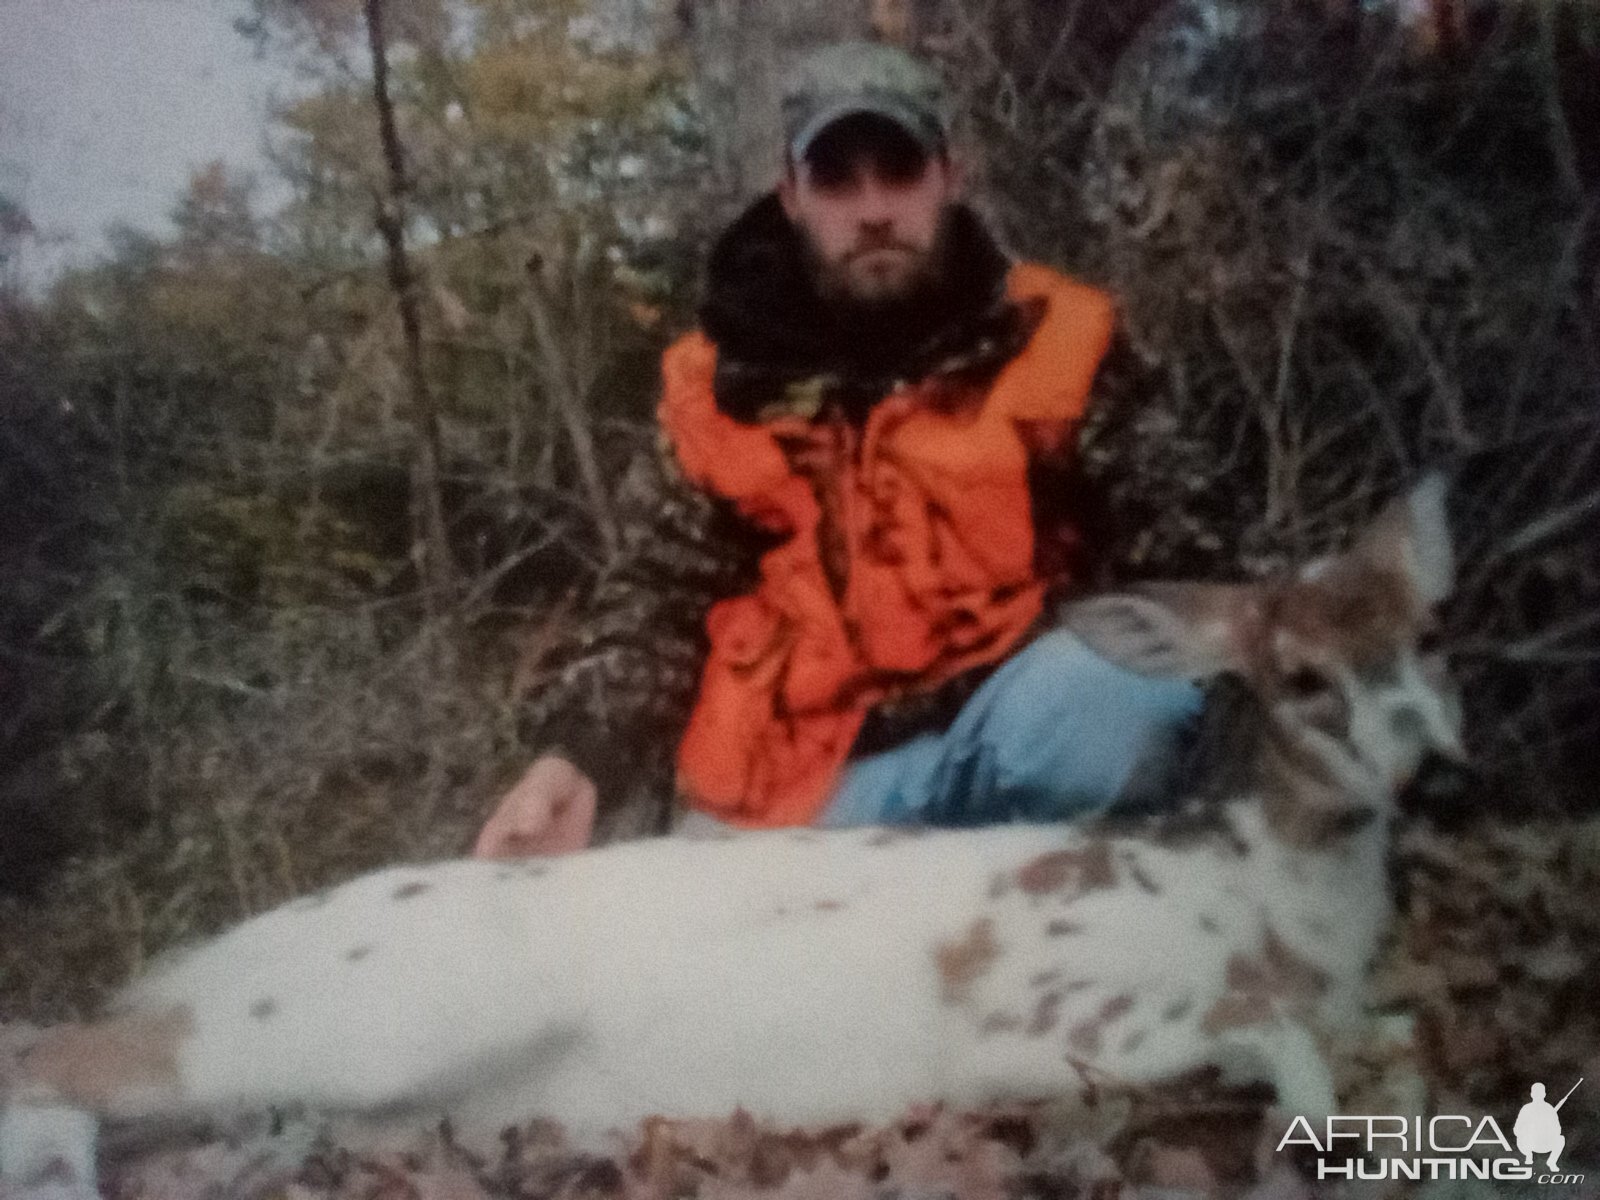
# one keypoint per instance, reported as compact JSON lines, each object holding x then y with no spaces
{"x":321,"y":521}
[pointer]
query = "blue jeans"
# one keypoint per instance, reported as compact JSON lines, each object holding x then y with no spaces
{"x":1056,"y":733}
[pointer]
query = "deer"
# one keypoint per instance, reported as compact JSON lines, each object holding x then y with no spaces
{"x":809,"y":976}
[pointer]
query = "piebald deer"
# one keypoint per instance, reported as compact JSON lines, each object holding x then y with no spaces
{"x":818,"y":977}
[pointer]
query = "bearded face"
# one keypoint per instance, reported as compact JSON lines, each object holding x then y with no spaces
{"x":874,"y":210}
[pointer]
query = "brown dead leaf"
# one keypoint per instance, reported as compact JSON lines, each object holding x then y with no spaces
{"x":1173,"y":1167}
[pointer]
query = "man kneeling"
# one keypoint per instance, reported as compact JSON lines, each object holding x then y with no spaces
{"x":881,"y":388}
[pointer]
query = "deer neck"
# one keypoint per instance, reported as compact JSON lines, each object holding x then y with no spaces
{"x":1317,"y":797}
{"x":1317,"y":850}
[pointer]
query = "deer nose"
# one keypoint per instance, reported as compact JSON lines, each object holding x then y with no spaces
{"x":1441,"y":780}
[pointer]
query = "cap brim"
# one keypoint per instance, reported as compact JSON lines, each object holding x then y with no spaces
{"x":922,"y":130}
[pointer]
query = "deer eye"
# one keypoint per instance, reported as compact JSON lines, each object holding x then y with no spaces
{"x":1305,"y":683}
{"x":1429,"y":643}
{"x":1318,"y":700}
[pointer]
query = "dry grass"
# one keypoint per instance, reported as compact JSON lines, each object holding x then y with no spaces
{"x":368,"y":754}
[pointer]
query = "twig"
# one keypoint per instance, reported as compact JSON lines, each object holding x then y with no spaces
{"x":1544,"y":528}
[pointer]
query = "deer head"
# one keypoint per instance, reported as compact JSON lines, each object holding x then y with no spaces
{"x":1338,"y":654}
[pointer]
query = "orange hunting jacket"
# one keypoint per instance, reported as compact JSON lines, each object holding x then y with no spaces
{"x":908,"y":551}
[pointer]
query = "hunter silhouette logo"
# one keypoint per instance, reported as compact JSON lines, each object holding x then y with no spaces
{"x":1446,"y":1146}
{"x":1538,"y":1129}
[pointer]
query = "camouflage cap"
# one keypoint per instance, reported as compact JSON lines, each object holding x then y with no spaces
{"x":863,"y":77}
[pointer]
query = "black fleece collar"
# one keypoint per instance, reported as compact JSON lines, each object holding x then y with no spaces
{"x":773,"y":331}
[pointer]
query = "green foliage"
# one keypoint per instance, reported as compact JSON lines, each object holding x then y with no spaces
{"x":250,"y":550}
{"x":208,"y":442}
{"x":15,"y":231}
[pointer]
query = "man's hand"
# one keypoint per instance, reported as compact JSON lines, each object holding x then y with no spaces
{"x":550,"y":810}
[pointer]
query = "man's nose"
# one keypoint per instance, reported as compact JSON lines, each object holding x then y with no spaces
{"x":875,"y":203}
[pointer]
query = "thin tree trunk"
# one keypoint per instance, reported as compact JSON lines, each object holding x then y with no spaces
{"x":431,"y":546}
{"x":566,"y":393}
{"x":742,"y":51}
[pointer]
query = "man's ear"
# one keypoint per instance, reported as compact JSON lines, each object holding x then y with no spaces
{"x":955,"y":175}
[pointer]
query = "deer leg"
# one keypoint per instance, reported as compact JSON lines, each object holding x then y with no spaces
{"x":1295,"y":1066}
{"x":124,"y":1066}
{"x":47,"y":1141}
{"x":1301,"y":1075}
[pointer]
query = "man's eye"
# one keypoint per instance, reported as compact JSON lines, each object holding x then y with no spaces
{"x":831,"y":177}
{"x":902,"y":173}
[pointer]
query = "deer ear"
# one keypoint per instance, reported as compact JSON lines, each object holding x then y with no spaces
{"x":1183,"y":630}
{"x":1411,"y":538}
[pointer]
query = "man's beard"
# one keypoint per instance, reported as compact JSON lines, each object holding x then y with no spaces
{"x":911,"y":303}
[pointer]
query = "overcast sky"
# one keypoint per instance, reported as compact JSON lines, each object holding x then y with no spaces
{"x":106,"y":106}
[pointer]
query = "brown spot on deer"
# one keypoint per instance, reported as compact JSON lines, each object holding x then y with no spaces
{"x":1062,"y":928}
{"x":1246,"y":974}
{"x":963,"y":962}
{"x":1116,"y":1008}
{"x":1293,"y":977}
{"x":1075,"y":871}
{"x":1140,"y":876}
{"x":1000,"y":1022}
{"x":407,"y":891}
{"x":1260,"y":986}
{"x":264,"y":1009}
{"x":357,"y":953}
{"x":1046,"y":1014}
{"x":1208,"y":924}
{"x":1084,"y":1037}
{"x":1088,"y":1036}
{"x":113,"y":1064}
{"x":1238,"y":1010}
